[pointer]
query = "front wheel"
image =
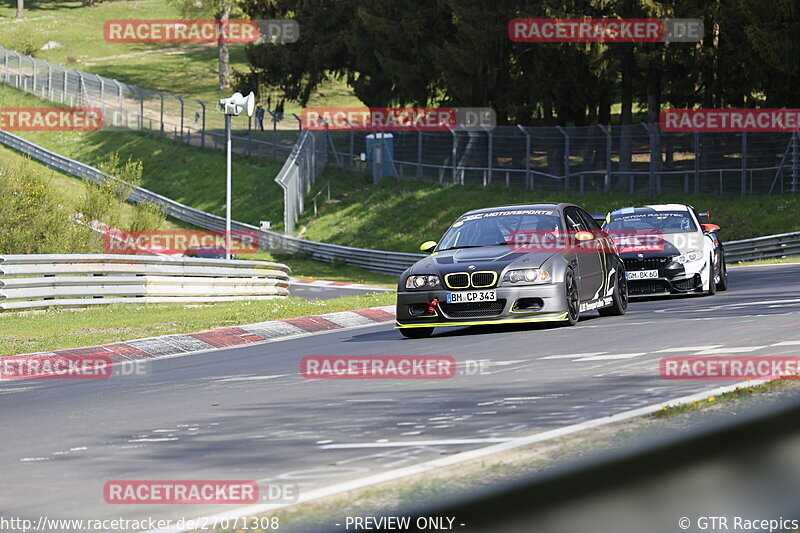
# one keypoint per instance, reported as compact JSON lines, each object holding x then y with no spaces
{"x":712,"y":282}
{"x":416,"y":333}
{"x":722,"y":284}
{"x":573,"y":299}
{"x":619,"y":298}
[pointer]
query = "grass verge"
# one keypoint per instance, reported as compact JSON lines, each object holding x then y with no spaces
{"x":401,"y":215}
{"x":59,"y":328}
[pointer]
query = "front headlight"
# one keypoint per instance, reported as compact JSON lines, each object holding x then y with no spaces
{"x":689,"y":257}
{"x":527,"y":276}
{"x":422,"y":282}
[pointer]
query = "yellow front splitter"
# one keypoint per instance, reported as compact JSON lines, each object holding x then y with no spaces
{"x":539,"y":318}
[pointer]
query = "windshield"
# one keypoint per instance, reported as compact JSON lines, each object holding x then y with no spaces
{"x":652,"y":221}
{"x":497,"y":228}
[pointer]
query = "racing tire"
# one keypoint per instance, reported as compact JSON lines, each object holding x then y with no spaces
{"x":416,"y":333}
{"x":723,"y":275}
{"x":712,"y":284}
{"x":619,"y":297}
{"x":573,"y":299}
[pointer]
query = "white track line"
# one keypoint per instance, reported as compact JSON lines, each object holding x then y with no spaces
{"x":471,"y":455}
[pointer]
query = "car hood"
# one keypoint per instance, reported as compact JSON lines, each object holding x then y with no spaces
{"x":662,"y":244}
{"x":494,"y":258}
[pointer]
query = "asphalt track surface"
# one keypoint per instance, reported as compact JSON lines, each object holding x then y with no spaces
{"x":312,"y":292}
{"x":246,"y":413}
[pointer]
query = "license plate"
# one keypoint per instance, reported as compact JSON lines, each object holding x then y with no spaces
{"x":471,"y":296}
{"x":642,"y":274}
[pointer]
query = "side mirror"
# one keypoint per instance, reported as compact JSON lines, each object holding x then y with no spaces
{"x":709,"y":228}
{"x":428,"y":246}
{"x":584,"y":236}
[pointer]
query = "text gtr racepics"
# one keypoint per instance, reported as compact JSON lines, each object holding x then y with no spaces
{"x":667,"y":250}
{"x":513,"y":264}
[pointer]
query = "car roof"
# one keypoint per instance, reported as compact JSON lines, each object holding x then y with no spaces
{"x":512,"y":207}
{"x":654,"y":207}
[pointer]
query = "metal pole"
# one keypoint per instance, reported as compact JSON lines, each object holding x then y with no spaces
{"x":228,"y":188}
{"x":696,"y":162}
{"x":607,"y":179}
{"x":528,"y":181}
{"x":794,"y":163}
{"x":64,"y":92}
{"x":453,"y":155}
{"x":182,"y":107}
{"x":566,"y":157}
{"x":161,"y":118}
{"x":33,"y":63}
{"x":490,"y":156}
{"x":419,"y":154}
{"x":203,"y":131}
{"x":744,"y":163}
{"x":49,"y":82}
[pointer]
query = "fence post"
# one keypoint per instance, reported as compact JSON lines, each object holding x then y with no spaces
{"x":66,"y":87}
{"x":566,"y":157}
{"x":696,"y":162}
{"x":453,"y":155}
{"x":141,"y":106}
{"x":49,"y":82}
{"x":102,"y":89}
{"x":5,"y":62}
{"x":203,"y":130}
{"x":161,"y":116}
{"x":744,"y":163}
{"x":794,"y":163}
{"x":655,"y":158}
{"x":33,"y":62}
{"x":607,"y":180}
{"x":528,"y":181}
{"x":351,"y":155}
{"x":490,"y":156}
{"x":419,"y":154}
{"x":80,"y":86}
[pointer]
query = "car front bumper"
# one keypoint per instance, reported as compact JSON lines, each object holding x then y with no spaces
{"x":525,"y":303}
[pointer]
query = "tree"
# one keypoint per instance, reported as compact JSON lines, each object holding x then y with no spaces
{"x":220,"y":11}
{"x":20,"y":5}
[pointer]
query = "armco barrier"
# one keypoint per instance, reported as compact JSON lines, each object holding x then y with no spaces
{"x":73,"y":280}
{"x":770,"y":246}
{"x":375,"y":260}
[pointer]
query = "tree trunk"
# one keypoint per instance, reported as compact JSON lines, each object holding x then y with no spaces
{"x":222,"y":49}
{"x":20,"y":5}
{"x":626,"y":115}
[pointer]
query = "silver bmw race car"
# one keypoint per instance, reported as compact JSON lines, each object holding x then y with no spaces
{"x":513,"y":264}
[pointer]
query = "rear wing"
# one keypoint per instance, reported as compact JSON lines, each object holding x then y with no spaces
{"x":600,"y":218}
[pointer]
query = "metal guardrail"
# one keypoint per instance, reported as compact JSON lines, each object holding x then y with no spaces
{"x":375,"y":260}
{"x":769,"y":246}
{"x":745,"y":467}
{"x":75,"y":280}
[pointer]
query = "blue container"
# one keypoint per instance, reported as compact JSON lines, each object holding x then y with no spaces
{"x":388,"y":151}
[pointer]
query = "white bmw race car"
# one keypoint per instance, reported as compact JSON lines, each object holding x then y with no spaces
{"x":667,"y":250}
